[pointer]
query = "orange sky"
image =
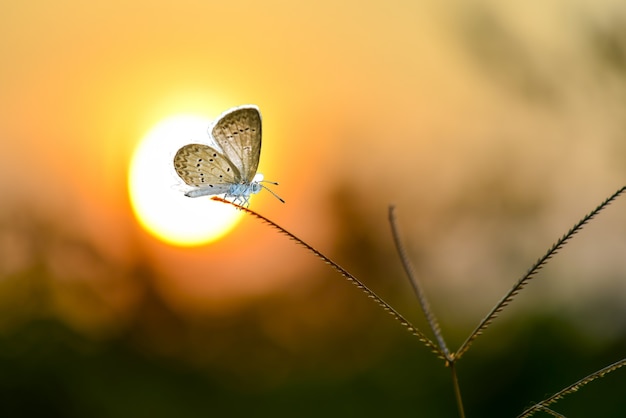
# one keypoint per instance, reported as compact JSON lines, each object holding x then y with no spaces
{"x":425,"y":104}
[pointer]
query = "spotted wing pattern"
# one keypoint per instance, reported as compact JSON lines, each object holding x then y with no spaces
{"x":238,"y":133}
{"x":202,"y":166}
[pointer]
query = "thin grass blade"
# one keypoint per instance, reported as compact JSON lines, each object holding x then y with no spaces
{"x":508,"y":298}
{"x":412,"y":329}
{"x":542,"y":406}
{"x":415,"y":282}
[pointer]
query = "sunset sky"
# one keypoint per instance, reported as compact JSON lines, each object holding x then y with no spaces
{"x":492,"y":126}
{"x":420,"y":104}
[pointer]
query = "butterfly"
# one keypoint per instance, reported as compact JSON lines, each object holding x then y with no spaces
{"x":230,"y":168}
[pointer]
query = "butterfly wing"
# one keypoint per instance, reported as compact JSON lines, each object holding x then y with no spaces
{"x":201,"y":166}
{"x":238,"y":133}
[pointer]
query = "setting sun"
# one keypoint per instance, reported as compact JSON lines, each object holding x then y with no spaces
{"x":157,"y":194}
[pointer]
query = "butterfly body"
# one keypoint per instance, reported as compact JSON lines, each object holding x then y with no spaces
{"x":231,"y":169}
{"x":242,"y":190}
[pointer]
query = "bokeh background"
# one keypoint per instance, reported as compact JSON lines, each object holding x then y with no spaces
{"x":492,"y":126}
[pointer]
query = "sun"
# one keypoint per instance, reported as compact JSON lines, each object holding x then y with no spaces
{"x":156,"y":192}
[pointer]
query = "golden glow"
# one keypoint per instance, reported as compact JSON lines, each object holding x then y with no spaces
{"x":157,"y":194}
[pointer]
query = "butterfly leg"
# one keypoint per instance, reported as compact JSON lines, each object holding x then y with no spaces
{"x":239,"y":199}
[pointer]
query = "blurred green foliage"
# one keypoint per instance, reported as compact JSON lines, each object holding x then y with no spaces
{"x":48,"y":370}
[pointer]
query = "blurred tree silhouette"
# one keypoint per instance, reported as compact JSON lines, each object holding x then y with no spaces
{"x":328,"y":351}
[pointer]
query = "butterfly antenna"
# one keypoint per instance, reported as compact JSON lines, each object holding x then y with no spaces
{"x":270,"y":190}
